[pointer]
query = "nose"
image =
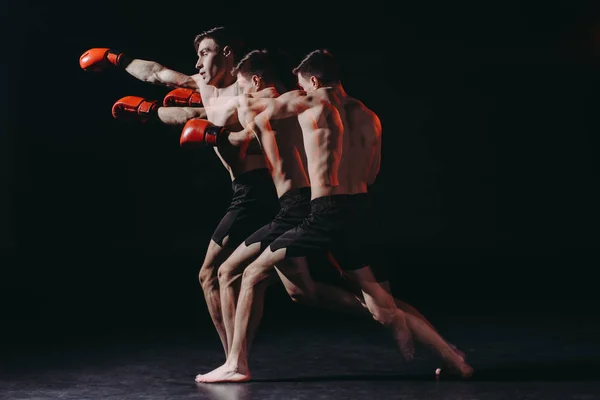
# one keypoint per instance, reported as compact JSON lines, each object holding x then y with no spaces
{"x":198,"y":64}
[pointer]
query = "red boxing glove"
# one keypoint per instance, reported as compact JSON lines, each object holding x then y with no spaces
{"x":182,"y":97}
{"x":199,"y":133}
{"x":98,"y":59}
{"x":135,"y":108}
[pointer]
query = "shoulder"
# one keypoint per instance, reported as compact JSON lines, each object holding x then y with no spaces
{"x":292,"y":95}
{"x":360,"y":112}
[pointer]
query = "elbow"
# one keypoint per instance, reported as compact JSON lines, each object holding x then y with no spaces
{"x":152,"y":78}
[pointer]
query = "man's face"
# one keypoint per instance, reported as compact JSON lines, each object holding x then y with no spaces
{"x":306,"y":84}
{"x":246,"y":84}
{"x":211,"y":61}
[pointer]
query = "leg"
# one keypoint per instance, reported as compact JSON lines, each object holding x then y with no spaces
{"x":249,"y":311}
{"x":210,"y":286}
{"x":429,"y":337}
{"x":407,"y":308}
{"x":336,"y":298}
{"x":230,"y":277}
{"x":381,"y":305}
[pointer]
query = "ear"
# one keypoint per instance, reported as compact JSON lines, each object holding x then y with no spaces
{"x":227,"y":51}
{"x":315,"y":82}
{"x":256,"y":80}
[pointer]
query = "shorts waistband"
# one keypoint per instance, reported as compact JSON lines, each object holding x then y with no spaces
{"x":294,"y":197}
{"x":256,"y":176}
{"x":336,"y":200}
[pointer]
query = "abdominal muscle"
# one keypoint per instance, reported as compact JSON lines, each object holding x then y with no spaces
{"x":284,"y":152}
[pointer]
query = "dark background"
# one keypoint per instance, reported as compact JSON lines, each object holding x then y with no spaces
{"x":487,"y":195}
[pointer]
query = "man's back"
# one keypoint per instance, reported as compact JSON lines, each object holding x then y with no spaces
{"x":360,"y":144}
{"x":361,"y":152}
{"x":323,"y":131}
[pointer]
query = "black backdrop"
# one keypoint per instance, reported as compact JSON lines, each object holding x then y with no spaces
{"x":487,"y":195}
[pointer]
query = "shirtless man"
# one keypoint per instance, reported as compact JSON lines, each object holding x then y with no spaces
{"x":254,"y":202}
{"x":283,"y":145}
{"x":328,"y":133}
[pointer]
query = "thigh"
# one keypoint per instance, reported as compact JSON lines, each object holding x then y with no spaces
{"x":215,"y":255}
{"x":268,"y":234}
{"x":241,"y":222}
{"x":302,"y":241}
{"x":296,"y":277}
{"x":239,"y":259}
{"x":373,"y":292}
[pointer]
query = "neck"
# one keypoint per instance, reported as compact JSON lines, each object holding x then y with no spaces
{"x":269,"y":91}
{"x":227,"y":81}
{"x":337,"y":90}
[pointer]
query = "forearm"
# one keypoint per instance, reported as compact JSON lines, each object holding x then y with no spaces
{"x":180,"y":115}
{"x":243,"y":137}
{"x":155,"y":73}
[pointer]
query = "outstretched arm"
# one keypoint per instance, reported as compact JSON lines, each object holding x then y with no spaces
{"x":99,"y":59}
{"x":180,"y":115}
{"x":158,"y":74}
{"x":136,"y":108}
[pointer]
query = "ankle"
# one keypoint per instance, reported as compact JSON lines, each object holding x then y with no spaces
{"x":237,"y":363}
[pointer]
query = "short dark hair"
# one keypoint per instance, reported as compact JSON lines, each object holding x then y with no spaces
{"x":322,"y":65}
{"x":223,"y":36}
{"x":272,"y":66}
{"x":257,"y":62}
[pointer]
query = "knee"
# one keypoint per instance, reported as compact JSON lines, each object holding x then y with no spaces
{"x":254,"y":275}
{"x":228,"y":274}
{"x":207,"y":275}
{"x":385,"y":316}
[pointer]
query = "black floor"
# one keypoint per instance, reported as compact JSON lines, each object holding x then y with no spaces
{"x":333,"y":358}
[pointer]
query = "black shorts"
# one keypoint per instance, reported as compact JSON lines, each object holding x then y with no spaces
{"x":341,"y":224}
{"x":253,"y":205}
{"x":319,"y":231}
{"x":294,"y":208}
{"x":362,"y":238}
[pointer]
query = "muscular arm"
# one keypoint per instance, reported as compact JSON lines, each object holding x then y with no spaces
{"x":158,"y":74}
{"x":180,"y":115}
{"x":243,"y":137}
{"x":289,"y":104}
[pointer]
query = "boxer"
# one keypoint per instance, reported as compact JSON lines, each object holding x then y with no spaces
{"x":254,"y":201}
{"x":337,"y":132}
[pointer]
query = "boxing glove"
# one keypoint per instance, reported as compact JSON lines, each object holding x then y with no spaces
{"x":98,"y":59}
{"x":135,"y":108}
{"x":200,"y":132}
{"x":182,"y":97}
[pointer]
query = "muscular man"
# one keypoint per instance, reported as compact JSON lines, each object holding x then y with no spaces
{"x":330,"y":135}
{"x":254,"y":201}
{"x":283,"y":145}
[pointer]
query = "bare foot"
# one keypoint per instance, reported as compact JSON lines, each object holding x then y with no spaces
{"x":403,"y":337}
{"x":460,"y":353}
{"x":465,"y":370}
{"x":225,"y":373}
{"x":461,"y":368}
{"x":456,"y":359}
{"x":198,"y":377}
